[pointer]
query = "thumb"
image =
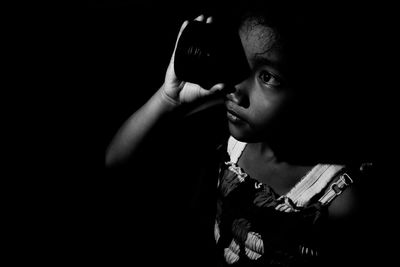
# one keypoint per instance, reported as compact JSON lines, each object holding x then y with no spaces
{"x":184,"y":24}
{"x":216,"y":88}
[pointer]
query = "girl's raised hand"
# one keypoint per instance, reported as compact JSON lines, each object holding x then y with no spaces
{"x":179,"y":92}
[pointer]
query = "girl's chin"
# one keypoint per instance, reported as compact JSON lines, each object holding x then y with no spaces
{"x":242,"y":135}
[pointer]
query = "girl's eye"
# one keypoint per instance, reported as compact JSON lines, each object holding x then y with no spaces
{"x":268,"y":79}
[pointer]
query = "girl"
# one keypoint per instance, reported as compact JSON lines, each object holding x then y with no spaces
{"x":272,"y":210}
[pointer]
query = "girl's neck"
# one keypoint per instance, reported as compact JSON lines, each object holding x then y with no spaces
{"x":262,"y":150}
{"x":260,"y":162}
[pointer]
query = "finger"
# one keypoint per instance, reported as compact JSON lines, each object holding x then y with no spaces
{"x":191,"y":92}
{"x":209,"y":20}
{"x":195,"y":90}
{"x":184,"y":24}
{"x":217,"y":88}
{"x":191,"y":87}
{"x":213,"y":90}
{"x":200,"y":18}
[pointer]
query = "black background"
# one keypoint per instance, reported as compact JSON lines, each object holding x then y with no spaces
{"x":78,"y":72}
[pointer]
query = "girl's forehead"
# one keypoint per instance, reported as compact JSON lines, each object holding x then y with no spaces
{"x":259,"y":41}
{"x":257,"y":38}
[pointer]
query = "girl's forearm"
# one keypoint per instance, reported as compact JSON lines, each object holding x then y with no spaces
{"x":137,"y":127}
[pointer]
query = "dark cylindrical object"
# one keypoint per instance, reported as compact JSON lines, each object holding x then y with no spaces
{"x":207,"y":54}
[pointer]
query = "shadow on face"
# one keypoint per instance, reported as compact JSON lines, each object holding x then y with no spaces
{"x":331,"y":62}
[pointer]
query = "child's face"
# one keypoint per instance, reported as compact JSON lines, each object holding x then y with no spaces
{"x":257,"y":101}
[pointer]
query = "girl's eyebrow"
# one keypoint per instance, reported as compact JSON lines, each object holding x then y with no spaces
{"x":260,"y":60}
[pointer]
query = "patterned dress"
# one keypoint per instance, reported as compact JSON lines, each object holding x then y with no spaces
{"x":257,"y":227}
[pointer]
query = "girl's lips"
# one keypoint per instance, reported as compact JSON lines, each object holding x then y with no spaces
{"x":233,"y":116}
{"x":231,"y":109}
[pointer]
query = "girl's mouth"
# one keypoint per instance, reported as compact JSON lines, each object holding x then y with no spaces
{"x":234,"y":117}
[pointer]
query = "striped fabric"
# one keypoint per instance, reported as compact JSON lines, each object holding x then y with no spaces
{"x":310,"y":185}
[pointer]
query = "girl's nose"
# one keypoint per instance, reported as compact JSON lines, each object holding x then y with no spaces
{"x":239,"y":94}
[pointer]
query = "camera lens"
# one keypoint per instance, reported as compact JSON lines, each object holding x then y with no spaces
{"x":206,"y":54}
{"x":195,"y":55}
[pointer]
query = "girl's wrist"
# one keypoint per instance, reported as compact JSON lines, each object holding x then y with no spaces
{"x":166,"y":100}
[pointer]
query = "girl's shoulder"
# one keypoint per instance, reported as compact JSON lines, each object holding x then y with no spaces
{"x":344,"y":205}
{"x":348,"y":191}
